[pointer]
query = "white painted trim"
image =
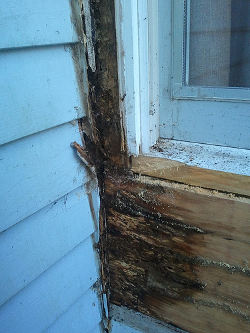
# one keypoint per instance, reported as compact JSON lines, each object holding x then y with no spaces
{"x":150,"y":114}
{"x":88,"y":28}
{"x":143,"y":34}
{"x":228,"y":94}
{"x":137,"y":56}
{"x":187,"y":42}
{"x":136,"y":23}
{"x":128,"y":70}
{"x":124,"y":320}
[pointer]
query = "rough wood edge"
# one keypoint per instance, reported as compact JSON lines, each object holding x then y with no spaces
{"x":180,"y":172}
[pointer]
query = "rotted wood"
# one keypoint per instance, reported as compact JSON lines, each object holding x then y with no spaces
{"x":180,"y":172}
{"x":179,"y":253}
{"x":170,"y":247}
{"x":104,"y":98}
{"x":106,"y":144}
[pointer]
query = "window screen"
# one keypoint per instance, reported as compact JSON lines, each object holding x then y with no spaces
{"x":218,"y":43}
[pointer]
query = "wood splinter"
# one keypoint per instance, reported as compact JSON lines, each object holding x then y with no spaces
{"x":84,"y":157}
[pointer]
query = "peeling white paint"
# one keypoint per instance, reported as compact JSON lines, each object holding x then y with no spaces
{"x":88,"y":28}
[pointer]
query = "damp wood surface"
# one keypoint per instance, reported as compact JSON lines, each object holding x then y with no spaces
{"x":179,"y":253}
{"x":174,"y":242}
{"x":106,"y":145}
{"x":177,"y":171}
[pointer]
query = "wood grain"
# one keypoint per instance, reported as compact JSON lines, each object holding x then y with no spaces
{"x":176,"y":249}
{"x":176,"y":171}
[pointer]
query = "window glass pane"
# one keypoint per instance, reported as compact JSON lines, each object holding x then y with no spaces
{"x":218,"y":43}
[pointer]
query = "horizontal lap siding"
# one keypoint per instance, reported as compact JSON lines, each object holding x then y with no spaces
{"x":79,"y":317}
{"x":25,"y":23}
{"x":47,"y":258}
{"x":36,"y":243}
{"x":38,"y":170}
{"x":35,"y":90}
{"x":45,"y":299}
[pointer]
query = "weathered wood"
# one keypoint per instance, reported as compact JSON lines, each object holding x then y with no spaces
{"x":175,"y":248}
{"x":176,"y":171}
{"x":104,"y":96}
{"x":203,"y":209}
{"x":170,"y":250}
{"x":108,"y":146}
{"x":200,"y":318}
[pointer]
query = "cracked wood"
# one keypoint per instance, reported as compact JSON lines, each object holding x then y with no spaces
{"x":179,"y":253}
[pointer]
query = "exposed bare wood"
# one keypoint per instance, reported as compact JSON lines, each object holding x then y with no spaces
{"x":179,"y":253}
{"x":171,"y":245}
{"x":202,"y":316}
{"x":183,"y":173}
{"x":106,"y":145}
{"x":200,"y":208}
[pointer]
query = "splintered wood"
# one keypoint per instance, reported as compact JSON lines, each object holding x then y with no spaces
{"x":179,"y":253}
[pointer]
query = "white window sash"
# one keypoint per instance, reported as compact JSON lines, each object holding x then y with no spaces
{"x":136,"y":24}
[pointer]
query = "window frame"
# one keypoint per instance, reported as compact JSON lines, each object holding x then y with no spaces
{"x":136,"y":21}
{"x":180,"y":55}
{"x":137,"y":56}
